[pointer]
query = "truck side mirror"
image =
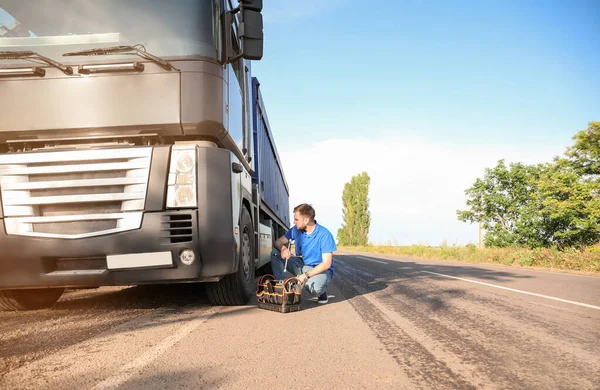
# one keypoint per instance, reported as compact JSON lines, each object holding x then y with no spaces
{"x":251,"y":33}
{"x":254,"y":5}
{"x":250,"y":30}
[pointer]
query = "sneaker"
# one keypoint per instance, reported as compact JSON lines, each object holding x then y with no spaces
{"x":323,"y":298}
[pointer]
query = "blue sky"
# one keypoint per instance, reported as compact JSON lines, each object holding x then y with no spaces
{"x":423,"y":95}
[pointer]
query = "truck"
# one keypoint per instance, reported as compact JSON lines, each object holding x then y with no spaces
{"x":135,"y":148}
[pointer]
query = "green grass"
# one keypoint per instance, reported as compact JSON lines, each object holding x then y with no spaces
{"x":586,"y":260}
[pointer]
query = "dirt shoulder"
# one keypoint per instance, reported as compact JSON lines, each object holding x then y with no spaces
{"x":80,"y":315}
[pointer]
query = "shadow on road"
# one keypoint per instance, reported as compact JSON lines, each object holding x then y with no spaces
{"x":404,"y":280}
{"x":82,"y":314}
{"x":455,"y":269}
{"x":192,"y":379}
{"x":135,"y":297}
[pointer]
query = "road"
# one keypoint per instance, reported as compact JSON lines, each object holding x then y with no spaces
{"x":392,"y":322}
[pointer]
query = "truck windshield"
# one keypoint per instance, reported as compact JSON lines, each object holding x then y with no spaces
{"x":166,"y":28}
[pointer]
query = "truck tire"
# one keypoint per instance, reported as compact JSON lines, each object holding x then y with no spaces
{"x":236,"y":289}
{"x":29,"y":299}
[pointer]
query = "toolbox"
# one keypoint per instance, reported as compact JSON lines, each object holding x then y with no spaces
{"x":283,"y":296}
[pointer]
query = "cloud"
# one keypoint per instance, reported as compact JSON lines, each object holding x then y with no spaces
{"x":416,"y":185}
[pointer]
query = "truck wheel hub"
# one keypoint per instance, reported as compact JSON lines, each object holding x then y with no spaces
{"x":246,"y":254}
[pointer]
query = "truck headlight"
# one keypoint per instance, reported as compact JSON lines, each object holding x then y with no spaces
{"x":181,"y":190}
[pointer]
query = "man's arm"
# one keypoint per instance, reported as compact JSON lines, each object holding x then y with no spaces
{"x":280,"y":243}
{"x":324,"y":266}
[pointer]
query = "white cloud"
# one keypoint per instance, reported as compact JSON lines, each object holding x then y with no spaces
{"x":416,"y":186}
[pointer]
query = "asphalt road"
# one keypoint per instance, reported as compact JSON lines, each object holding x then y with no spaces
{"x":392,"y":322}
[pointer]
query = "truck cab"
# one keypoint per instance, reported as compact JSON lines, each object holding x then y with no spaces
{"x":134,"y":148}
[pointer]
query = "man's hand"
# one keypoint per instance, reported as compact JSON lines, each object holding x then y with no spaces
{"x":302,"y":278}
{"x":285,"y":253}
{"x":281,"y":245}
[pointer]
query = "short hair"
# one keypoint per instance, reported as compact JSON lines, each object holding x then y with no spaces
{"x":306,"y":210}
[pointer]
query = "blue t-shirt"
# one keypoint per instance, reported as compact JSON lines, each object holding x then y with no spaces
{"x":312,"y":246}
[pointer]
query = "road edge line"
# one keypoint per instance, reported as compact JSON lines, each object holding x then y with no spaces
{"x":149,"y":356}
{"x":515,"y":290}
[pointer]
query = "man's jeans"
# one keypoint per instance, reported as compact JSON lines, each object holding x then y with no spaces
{"x":316,"y":285}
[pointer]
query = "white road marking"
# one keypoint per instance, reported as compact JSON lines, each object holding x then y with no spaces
{"x":557,"y":272}
{"x":519,"y":291}
{"x":504,"y":267}
{"x":366,"y":258}
{"x":552,"y":307}
{"x":142,"y":361}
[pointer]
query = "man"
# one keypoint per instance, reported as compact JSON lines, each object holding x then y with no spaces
{"x":313,"y":263}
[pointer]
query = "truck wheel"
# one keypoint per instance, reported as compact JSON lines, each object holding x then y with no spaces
{"x":236,"y":289}
{"x":29,"y":299}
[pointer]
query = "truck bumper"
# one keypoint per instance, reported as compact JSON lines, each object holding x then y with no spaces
{"x":147,"y":255}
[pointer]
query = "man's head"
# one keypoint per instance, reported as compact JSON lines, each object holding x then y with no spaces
{"x":304,"y":214}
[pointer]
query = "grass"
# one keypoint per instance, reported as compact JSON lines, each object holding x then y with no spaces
{"x":584,"y":260}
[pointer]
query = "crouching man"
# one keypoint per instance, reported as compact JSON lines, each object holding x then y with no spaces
{"x":313,"y":263}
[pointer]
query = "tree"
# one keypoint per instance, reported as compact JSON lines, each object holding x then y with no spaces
{"x":570,"y":205}
{"x":570,"y":192}
{"x":503,"y":202}
{"x":554,"y":204}
{"x":584,"y":156}
{"x":357,"y":219}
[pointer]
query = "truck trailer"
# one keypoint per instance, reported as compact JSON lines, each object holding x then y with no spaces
{"x":135,"y":148}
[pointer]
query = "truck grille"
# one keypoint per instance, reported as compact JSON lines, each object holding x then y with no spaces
{"x":177,"y":228}
{"x":74,"y":194}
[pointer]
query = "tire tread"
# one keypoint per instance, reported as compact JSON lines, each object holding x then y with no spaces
{"x":229,"y":291}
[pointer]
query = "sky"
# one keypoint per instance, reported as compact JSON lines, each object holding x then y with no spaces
{"x":423,"y":96}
